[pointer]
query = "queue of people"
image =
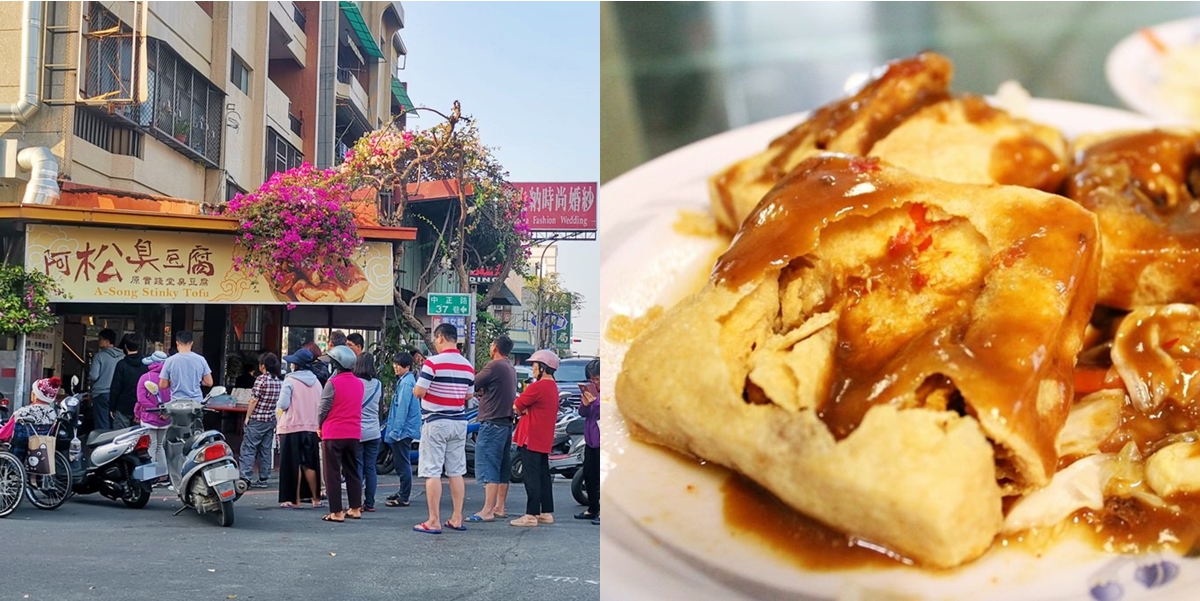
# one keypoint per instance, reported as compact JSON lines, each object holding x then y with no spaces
{"x":324,"y":410}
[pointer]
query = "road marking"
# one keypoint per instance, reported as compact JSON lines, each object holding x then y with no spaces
{"x":567,"y":579}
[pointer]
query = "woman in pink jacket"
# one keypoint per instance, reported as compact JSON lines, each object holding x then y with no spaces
{"x":299,"y":456}
{"x":143,"y":410}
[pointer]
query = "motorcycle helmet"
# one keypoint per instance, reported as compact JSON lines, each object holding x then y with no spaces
{"x":546,"y":358}
{"x":343,"y":357}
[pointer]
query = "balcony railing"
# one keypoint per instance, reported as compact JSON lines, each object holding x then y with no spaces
{"x":349,"y":87}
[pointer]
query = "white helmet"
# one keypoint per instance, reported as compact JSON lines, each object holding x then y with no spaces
{"x":545,"y":357}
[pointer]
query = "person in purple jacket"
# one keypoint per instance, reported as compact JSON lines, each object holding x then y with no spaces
{"x":590,"y":410}
{"x":143,"y":409}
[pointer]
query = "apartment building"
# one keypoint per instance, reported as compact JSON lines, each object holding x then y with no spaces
{"x":198,"y":100}
{"x":132,"y":121}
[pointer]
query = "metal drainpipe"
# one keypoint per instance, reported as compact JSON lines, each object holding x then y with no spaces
{"x":30,"y":87}
{"x":42,"y":188}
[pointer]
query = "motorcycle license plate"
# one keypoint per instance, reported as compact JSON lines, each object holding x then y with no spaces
{"x":148,"y":471}
{"x":225,"y":489}
{"x":221,"y":474}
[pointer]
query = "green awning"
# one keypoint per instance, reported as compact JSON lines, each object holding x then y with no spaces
{"x":522,"y":348}
{"x":401,"y":95}
{"x":365,"y":39}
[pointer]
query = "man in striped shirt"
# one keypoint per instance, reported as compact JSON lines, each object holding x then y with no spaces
{"x":446,"y":381}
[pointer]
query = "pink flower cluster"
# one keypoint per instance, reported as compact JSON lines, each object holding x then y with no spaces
{"x":298,"y":219}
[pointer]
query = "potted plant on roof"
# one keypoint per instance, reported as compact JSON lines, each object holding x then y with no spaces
{"x":182,"y":129}
{"x":299,"y":231}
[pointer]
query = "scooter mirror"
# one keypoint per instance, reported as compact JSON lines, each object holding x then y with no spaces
{"x":216,"y":391}
{"x":151,"y":387}
{"x":74,"y":382}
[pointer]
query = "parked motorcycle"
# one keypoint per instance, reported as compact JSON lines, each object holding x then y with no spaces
{"x":200,"y":463}
{"x":114,"y":463}
{"x":566,"y":453}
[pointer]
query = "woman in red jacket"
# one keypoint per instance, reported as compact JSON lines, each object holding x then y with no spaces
{"x":538,"y":408}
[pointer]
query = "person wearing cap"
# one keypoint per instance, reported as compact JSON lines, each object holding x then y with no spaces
{"x":340,"y":418}
{"x":144,"y":409}
{"x":299,"y":455}
{"x":36,"y":417}
{"x":125,"y":381}
{"x":319,"y":365}
{"x":538,"y":411}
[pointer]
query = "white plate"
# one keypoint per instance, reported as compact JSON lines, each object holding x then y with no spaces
{"x":661,"y":540}
{"x":1134,"y":68}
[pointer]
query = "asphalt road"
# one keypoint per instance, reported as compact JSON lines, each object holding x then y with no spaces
{"x":95,"y":549}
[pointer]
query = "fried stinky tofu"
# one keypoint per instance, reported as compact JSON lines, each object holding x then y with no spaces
{"x":851,"y":125}
{"x":894,"y":352}
{"x":1143,"y":187}
{"x":966,"y":140}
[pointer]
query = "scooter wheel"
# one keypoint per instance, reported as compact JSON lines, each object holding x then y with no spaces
{"x":225,"y":516}
{"x":577,"y":489}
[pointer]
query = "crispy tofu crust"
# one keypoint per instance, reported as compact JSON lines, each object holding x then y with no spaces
{"x":894,"y":352}
{"x":1143,"y":187}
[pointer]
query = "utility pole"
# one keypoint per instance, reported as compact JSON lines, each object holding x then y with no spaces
{"x":539,"y":312}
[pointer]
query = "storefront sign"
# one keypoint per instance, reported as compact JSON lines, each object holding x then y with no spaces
{"x":563,"y":207}
{"x":117,"y":265}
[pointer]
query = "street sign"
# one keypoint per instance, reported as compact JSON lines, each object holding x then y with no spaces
{"x":458,"y":321}
{"x":562,"y":335}
{"x":449,"y":304}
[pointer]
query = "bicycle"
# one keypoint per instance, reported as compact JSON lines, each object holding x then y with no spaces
{"x":13,"y":483}
{"x":45,"y":491}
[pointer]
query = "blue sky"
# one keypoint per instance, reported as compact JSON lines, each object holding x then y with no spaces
{"x":529,"y":72}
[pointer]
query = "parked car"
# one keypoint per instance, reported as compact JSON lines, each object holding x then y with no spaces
{"x":524,"y":377}
{"x":570,"y":375}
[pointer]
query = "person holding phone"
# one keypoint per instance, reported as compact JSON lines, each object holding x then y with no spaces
{"x":589,"y":408}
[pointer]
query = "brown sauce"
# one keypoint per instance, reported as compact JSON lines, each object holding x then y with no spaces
{"x":1127,"y":526}
{"x":998,"y":363}
{"x":801,"y":540}
{"x":1142,"y":186}
{"x":1026,"y":161}
{"x":905,"y":87}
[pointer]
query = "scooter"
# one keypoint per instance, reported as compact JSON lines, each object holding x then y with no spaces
{"x":200,"y":463}
{"x":114,"y":463}
{"x":566,"y":454}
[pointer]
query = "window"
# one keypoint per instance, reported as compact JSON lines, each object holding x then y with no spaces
{"x":109,"y":48}
{"x":239,"y":73}
{"x":231,"y":190}
{"x":111,"y":137}
{"x":183,"y":108}
{"x":281,"y":156}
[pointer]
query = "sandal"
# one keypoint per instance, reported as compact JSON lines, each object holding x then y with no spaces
{"x":525,"y":521}
{"x":318,"y":504}
{"x":453,"y":527}
{"x":425,"y":529}
{"x":329,"y":518}
{"x":290,"y":505}
{"x":354,"y":516}
{"x":396,"y":503}
{"x":478,"y":518}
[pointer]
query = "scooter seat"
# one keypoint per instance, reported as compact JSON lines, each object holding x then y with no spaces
{"x":99,"y":437}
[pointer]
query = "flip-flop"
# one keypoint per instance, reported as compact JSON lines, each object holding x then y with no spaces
{"x":318,"y":504}
{"x":425,"y":529}
{"x":354,"y":517}
{"x":290,"y":505}
{"x":502,"y":516}
{"x":329,"y":518}
{"x":477,"y":518}
{"x":451,"y":526}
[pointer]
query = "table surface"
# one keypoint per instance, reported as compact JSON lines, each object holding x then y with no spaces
{"x":673,"y":73}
